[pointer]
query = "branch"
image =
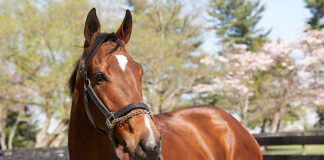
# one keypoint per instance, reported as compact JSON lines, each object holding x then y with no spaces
{"x":62,"y":124}
{"x":20,"y":101}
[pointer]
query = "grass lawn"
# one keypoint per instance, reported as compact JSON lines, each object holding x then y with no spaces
{"x":310,"y":150}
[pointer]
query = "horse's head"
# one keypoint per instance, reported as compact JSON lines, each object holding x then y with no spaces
{"x":116,"y":80}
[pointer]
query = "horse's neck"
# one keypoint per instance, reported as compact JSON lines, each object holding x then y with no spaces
{"x":84,"y":141}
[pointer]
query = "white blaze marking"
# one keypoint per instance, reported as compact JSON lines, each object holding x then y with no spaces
{"x":122,"y":60}
{"x":151,"y":139}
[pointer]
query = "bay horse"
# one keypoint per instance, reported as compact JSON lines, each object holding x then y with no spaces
{"x":110,"y":121}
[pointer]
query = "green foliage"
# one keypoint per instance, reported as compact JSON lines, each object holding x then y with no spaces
{"x":259,"y":79}
{"x":25,"y":134}
{"x":235,"y":22}
{"x":41,"y":41}
{"x":163,"y":41}
{"x":292,"y":113}
{"x":316,"y":7}
{"x":212,"y":99}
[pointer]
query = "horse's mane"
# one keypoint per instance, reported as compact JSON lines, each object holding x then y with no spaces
{"x":100,"y":38}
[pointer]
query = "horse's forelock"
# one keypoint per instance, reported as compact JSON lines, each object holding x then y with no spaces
{"x":101,"y":38}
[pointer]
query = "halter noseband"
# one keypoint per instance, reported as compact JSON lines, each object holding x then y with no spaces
{"x":112,"y":118}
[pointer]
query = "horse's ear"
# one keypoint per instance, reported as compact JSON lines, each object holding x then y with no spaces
{"x":92,"y":26}
{"x":125,"y":30}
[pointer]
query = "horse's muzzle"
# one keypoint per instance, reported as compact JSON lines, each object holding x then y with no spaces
{"x":147,"y":151}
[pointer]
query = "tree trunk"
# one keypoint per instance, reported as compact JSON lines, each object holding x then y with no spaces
{"x":13,"y":131}
{"x":160,"y":109}
{"x":263,"y":125}
{"x":58,"y":140}
{"x":281,"y":104}
{"x":244,"y":110}
{"x":276,"y":118}
{"x":43,"y":139}
{"x":42,"y":134}
{"x":3,"y":123}
{"x":275,"y":121}
{"x":3,"y":138}
{"x":56,"y":134}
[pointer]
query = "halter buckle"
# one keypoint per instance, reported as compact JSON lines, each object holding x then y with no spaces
{"x":111,"y":116}
{"x":108,"y":123}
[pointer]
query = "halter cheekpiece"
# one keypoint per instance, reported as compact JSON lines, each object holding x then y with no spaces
{"x":112,"y":118}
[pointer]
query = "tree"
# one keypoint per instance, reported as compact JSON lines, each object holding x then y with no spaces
{"x":163,"y":41}
{"x":233,"y":83}
{"x":235,"y":22}
{"x":40,"y":44}
{"x":316,"y":8}
{"x":271,"y":84}
{"x":20,"y":129}
{"x":16,"y":129}
{"x":313,"y":65}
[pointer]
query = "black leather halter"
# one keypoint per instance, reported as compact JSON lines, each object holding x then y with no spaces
{"x":112,"y":118}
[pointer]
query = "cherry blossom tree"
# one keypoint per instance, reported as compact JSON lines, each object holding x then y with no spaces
{"x":271,"y":82}
{"x":238,"y":69}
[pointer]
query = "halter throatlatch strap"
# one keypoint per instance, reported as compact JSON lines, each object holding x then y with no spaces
{"x":89,"y":115}
{"x":108,"y":115}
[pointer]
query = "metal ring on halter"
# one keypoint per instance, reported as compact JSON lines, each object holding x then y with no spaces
{"x":87,"y":82}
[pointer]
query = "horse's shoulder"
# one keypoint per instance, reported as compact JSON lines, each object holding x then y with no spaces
{"x":196,"y":114}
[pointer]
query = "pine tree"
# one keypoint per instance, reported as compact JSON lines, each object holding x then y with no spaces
{"x":316,"y":8}
{"x":235,"y":22}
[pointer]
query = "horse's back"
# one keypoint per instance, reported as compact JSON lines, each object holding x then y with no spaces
{"x":205,"y":132}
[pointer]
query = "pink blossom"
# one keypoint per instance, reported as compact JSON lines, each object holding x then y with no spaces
{"x":204,"y":88}
{"x":207,"y":60}
{"x":239,"y":67}
{"x":223,"y":59}
{"x":16,"y":79}
{"x":4,"y":69}
{"x":280,"y":49}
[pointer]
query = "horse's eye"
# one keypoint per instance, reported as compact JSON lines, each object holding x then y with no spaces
{"x":100,"y":77}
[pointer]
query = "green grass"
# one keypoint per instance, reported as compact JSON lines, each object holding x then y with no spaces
{"x":310,"y":150}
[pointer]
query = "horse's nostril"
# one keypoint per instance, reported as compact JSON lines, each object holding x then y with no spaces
{"x":143,"y":146}
{"x":146,"y":150}
{"x":140,"y":149}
